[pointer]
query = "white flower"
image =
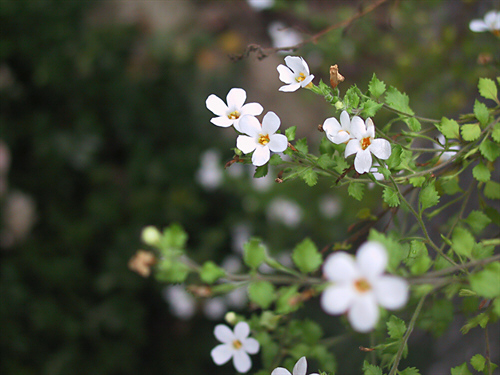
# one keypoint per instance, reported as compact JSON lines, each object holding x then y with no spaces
{"x":295,"y":74}
{"x":283,"y":36}
{"x":330,"y":207}
{"x":181,"y":303}
{"x":491,"y":22}
{"x":210,"y":174}
{"x":236,"y":345}
{"x":300,"y":368}
{"x":285,"y":211}
{"x":359,"y":286}
{"x":444,"y":155}
{"x":363,"y":145}
{"x":261,"y":139}
{"x":259,"y":5}
{"x":339,"y":132}
{"x":231,"y":113}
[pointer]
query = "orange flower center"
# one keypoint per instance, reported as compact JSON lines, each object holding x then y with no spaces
{"x":237,"y":344}
{"x":362,"y":285}
{"x":234,"y":115}
{"x":263,"y":139}
{"x":301,"y":77}
{"x":365,"y":142}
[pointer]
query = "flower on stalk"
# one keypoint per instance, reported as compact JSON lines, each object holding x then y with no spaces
{"x":236,"y":345}
{"x":363,"y":144}
{"x":300,"y":368}
{"x":261,"y":138}
{"x":339,"y":132}
{"x":295,"y":74}
{"x":491,"y":22}
{"x":360,"y":286}
{"x":231,"y":113}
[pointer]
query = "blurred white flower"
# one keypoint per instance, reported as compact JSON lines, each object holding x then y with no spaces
{"x":284,"y":211}
{"x":359,"y":286}
{"x":339,"y":132}
{"x":490,"y":22}
{"x":259,"y":5}
{"x":210,"y":174}
{"x":18,"y":216}
{"x":230,"y":113}
{"x":446,"y":155}
{"x":182,"y":304}
{"x":295,"y":74}
{"x":215,"y":308}
{"x":300,"y":368}
{"x":330,"y":206}
{"x":283,"y":36}
{"x":236,"y":345}
{"x":240,"y":234}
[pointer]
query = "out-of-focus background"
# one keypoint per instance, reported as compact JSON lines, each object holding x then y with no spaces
{"x":104,"y":129}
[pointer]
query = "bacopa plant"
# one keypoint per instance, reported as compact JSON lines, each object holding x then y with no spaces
{"x":380,"y":287}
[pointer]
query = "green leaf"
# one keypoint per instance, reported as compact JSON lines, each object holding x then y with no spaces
{"x":356,"y":190}
{"x":398,"y":101}
{"x":471,"y":132}
{"x":489,"y":150}
{"x":262,"y":293}
{"x":287,"y":300}
{"x":171,"y":272}
{"x":478,"y":362}
{"x":477,"y":220}
{"x":481,"y":112}
{"x":395,"y":158}
{"x":351,"y":98}
{"x":481,"y":320}
{"x":487,"y":88}
{"x":450,"y":186}
{"x":173,"y":237}
{"x":481,"y":172}
{"x":462,"y":241}
{"x":391,"y":197}
{"x":371,"y":369}
{"x":417,"y":181}
{"x":429,"y":196}
{"x":341,"y":162}
{"x":421,"y":261}
{"x":306,"y":256}
{"x":309,"y":176}
{"x":449,"y":128}
{"x":496,"y":132}
{"x":496,"y":306}
{"x":261,"y":171}
{"x":211,"y":272}
{"x":410,"y":371}
{"x":461,"y":370}
{"x":325,"y":161}
{"x":493,"y":214}
{"x":254,"y":253}
{"x":290,"y":133}
{"x":396,"y":327}
{"x":413,"y":124}
{"x":275,"y":159}
{"x":370,"y":108}
{"x":486,"y":283}
{"x":301,"y":145}
{"x":376,"y":87}
{"x":492,"y":190}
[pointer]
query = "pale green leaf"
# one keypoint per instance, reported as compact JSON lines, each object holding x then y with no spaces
{"x":376,"y":86}
{"x":262,"y":293}
{"x":481,"y":172}
{"x":461,"y":370}
{"x":489,"y":150}
{"x":391,"y":197}
{"x":290,"y":133}
{"x":487,"y":88}
{"x":478,"y":362}
{"x":449,"y":128}
{"x":306,"y":256}
{"x":481,"y":112}
{"x":463,"y":241}
{"x":210,"y":272}
{"x":356,"y":190}
{"x":496,"y":132}
{"x":399,"y":101}
{"x":429,"y":196}
{"x":254,"y":253}
{"x":477,"y":221}
{"x":486,"y":283}
{"x":471,"y":132}
{"x":396,"y":327}
{"x":492,"y":190}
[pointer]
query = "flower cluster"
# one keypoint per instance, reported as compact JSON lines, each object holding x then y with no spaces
{"x":490,"y":22}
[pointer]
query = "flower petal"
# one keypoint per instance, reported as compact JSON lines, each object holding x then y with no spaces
{"x":236,"y":98}
{"x":345,"y":121}
{"x":341,"y":137}
{"x":358,"y":127}
{"x":251,"y":345}
{"x":280,"y":371}
{"x":340,"y":267}
{"x":278,"y":143}
{"x":490,"y":19}
{"x":222,"y":121}
{"x":297,"y":64}
{"x":253,"y":109}
{"x":222,"y":353}
{"x":353,"y":147}
{"x":286,"y":75}
{"x":291,"y":87}
{"x":478,"y":26}
{"x":307,"y":80}
{"x":246,"y":144}
{"x":363,"y":161}
{"x":391,"y":292}
{"x":370,"y":128}
{"x":241,"y":361}
{"x":336,"y":299}
{"x":241,"y":331}
{"x":261,"y":155}
{"x":250,"y":125}
{"x":223,"y":333}
{"x":364,"y":313}
{"x":371,"y":258}
{"x":300,"y":367}
{"x":270,"y":123}
{"x":216,"y":105}
{"x":381,"y":148}
{"x":331,"y":126}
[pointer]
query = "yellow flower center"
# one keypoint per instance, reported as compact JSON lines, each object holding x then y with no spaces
{"x":362,"y":285}
{"x":301,"y":77}
{"x":263,"y":139}
{"x":237,"y":344}
{"x":365,"y":142}
{"x":234,"y":115}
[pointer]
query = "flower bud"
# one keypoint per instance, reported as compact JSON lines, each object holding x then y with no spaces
{"x":231,"y":318}
{"x":339,"y":105}
{"x":150,"y":235}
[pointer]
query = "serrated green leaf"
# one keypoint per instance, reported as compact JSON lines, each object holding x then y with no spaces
{"x":376,"y":87}
{"x":477,"y":220}
{"x":492,"y":190}
{"x":396,"y":327}
{"x":481,"y":172}
{"x":463,"y":241}
{"x":395,"y":158}
{"x":496,"y":306}
{"x":301,"y":145}
{"x":496,"y":132}
{"x":356,"y":190}
{"x":410,"y":371}
{"x":471,"y":132}
{"x":489,"y":150}
{"x":369,"y":369}
{"x":449,"y":128}
{"x":417,"y":181}
{"x":481,"y":320}
{"x":421,"y":261}
{"x":487,"y":88}
{"x":286,"y":302}
{"x":461,"y":370}
{"x":173,"y":237}
{"x":398,"y":101}
{"x":351,"y":98}
{"x":290,"y":133}
{"x":325,"y":161}
{"x":370,"y":108}
{"x":481,"y":112}
{"x":309,"y":176}
{"x":306,"y":256}
{"x":262,"y":293}
{"x":413,"y":124}
{"x":486,"y":283}
{"x":211,"y":272}
{"x":261,"y":171}
{"x":450,"y":186}
{"x":478,"y":362}
{"x":391,"y":197}
{"x":254,"y":253}
{"x":275,"y":159}
{"x":429,"y":196}
{"x":171,"y":272}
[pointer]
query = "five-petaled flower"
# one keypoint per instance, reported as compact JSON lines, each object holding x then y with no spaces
{"x":261,"y":138}
{"x":300,"y":368}
{"x":236,"y":345}
{"x":363,"y":144}
{"x":339,"y":132}
{"x":231,"y":113}
{"x":491,"y":22}
{"x":360,"y":285}
{"x":295,"y":74}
